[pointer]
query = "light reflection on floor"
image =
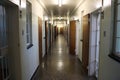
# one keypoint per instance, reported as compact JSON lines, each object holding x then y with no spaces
{"x":60,"y":65}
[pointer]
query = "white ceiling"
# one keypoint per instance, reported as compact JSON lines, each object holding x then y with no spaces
{"x":67,"y":8}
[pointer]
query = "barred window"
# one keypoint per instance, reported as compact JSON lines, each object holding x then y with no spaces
{"x":116,"y":33}
{"x":29,"y":24}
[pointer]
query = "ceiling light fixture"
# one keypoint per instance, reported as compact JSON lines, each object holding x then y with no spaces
{"x":60,"y":3}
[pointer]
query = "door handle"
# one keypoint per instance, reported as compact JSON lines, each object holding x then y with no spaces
{"x":44,"y":37}
{"x":81,"y":40}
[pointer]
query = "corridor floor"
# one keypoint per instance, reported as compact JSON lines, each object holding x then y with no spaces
{"x":58,"y":64}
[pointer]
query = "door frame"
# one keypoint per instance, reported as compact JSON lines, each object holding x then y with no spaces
{"x":81,"y":37}
{"x":13,"y":32}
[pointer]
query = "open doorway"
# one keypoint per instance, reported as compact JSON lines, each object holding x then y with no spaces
{"x":94,"y":43}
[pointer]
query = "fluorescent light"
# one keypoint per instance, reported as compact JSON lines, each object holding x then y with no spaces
{"x":46,"y":18}
{"x":60,"y":3}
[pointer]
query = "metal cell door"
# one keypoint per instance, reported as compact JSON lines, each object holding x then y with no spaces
{"x":4,"y":68}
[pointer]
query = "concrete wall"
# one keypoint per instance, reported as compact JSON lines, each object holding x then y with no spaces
{"x":108,"y":68}
{"x":29,"y":58}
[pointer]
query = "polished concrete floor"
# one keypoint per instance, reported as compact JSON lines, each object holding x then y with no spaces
{"x":58,"y":64}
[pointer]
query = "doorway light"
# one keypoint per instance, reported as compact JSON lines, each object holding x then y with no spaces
{"x":59,"y":18}
{"x":59,"y":3}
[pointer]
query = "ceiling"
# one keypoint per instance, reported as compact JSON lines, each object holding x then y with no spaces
{"x":68,"y":7}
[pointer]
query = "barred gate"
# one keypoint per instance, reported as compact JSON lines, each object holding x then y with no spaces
{"x":4,"y":67}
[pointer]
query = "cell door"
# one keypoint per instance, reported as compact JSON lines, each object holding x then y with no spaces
{"x":46,"y":36}
{"x":49,"y":36}
{"x":40,"y":38}
{"x":85,"y":47}
{"x":4,"y":69}
{"x":72,"y":37}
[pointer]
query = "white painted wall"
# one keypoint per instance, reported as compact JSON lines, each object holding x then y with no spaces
{"x":80,"y":38}
{"x":29,"y":57}
{"x":109,"y":68}
{"x":89,"y":6}
{"x":17,"y":2}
